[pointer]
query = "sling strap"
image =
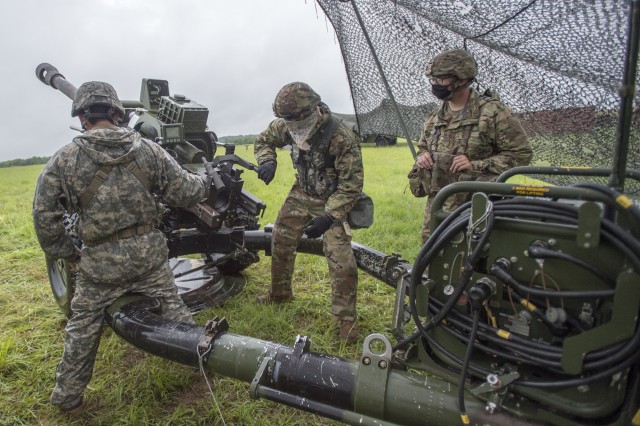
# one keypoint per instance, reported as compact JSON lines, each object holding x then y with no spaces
{"x":324,"y":142}
{"x":101,"y":176}
{"x":94,"y":185}
{"x":464,"y":143}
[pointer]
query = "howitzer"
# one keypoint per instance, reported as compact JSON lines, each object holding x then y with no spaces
{"x":525,"y":305}
{"x":493,"y":344}
{"x":213,"y":228}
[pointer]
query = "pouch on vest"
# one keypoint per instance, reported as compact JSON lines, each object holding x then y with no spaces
{"x":441,"y":174}
{"x":419,"y":182}
{"x":361,"y":215}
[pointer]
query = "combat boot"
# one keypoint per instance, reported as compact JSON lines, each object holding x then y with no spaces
{"x":75,"y":410}
{"x":349,"y":331}
{"x":269,"y":298}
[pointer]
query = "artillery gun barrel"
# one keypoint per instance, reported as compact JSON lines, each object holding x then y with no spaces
{"x":49,"y":75}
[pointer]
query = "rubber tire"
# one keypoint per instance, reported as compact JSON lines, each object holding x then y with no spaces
{"x":62,"y":282}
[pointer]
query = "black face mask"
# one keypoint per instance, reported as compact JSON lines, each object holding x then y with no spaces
{"x":440,"y":91}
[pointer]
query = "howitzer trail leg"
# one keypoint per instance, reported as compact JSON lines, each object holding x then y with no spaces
{"x":323,"y":384}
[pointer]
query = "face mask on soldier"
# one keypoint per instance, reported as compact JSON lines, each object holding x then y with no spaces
{"x":440,"y":91}
{"x":301,"y":130}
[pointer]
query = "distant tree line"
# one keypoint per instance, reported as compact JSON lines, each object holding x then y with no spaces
{"x":25,"y":162}
{"x":238,"y":140}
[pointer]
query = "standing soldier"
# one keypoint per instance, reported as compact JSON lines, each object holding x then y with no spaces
{"x":114,"y":180}
{"x":471,"y":137}
{"x":326,"y":155}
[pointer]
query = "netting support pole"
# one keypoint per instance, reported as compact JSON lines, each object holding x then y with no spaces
{"x":627,"y":94}
{"x":384,"y":80}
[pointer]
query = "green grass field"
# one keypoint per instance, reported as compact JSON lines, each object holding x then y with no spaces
{"x":133,"y":388}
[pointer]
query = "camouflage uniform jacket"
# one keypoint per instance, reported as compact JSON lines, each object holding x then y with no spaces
{"x":121,"y":202}
{"x":495,"y":143}
{"x":344,"y":150}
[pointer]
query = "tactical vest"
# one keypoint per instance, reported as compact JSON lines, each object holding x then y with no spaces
{"x":98,"y":179}
{"x":440,"y":175}
{"x":466,"y":123}
{"x":312,"y":164}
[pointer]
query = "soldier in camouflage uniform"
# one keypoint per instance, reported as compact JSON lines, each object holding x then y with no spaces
{"x":114,"y":180}
{"x":471,"y":137}
{"x":326,"y":155}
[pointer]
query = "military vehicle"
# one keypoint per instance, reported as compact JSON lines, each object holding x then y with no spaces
{"x":379,"y":139}
{"x":522,"y":308}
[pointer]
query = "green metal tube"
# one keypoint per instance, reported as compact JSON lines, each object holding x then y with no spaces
{"x":407,"y":398}
{"x":509,"y":189}
{"x":564,"y":171}
{"x":368,"y":391}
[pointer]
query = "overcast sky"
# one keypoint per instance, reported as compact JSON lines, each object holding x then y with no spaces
{"x":231,"y":56}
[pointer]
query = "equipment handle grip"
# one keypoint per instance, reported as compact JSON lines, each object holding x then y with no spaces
{"x":218,"y":184}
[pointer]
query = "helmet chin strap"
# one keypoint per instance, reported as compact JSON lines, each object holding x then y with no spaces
{"x":456,"y":89}
{"x":109,"y":115}
{"x":83,"y":122}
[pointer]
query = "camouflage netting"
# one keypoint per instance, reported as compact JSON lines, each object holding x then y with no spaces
{"x":558,"y":64}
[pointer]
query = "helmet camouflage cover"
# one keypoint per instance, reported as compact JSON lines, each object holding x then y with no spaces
{"x":295,"y":100}
{"x":453,"y":62}
{"x":96,"y":93}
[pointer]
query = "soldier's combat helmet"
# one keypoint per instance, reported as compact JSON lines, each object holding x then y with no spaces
{"x":94,"y":93}
{"x":453,"y":62}
{"x":295,"y":101}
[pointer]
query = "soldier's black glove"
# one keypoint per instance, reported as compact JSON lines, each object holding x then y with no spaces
{"x":266,"y":171}
{"x":318,"y":226}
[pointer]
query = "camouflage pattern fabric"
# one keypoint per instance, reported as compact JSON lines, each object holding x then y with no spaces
{"x":496,"y":142}
{"x":347,"y":168}
{"x":297,"y":210}
{"x":453,"y":62}
{"x":121,"y":202}
{"x":301,"y":129}
{"x":300,"y":206}
{"x":315,"y":165}
{"x":106,"y":271}
{"x":84,"y":329}
{"x":95,"y":93}
{"x":295,"y":101}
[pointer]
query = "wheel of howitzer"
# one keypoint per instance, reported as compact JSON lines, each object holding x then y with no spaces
{"x":199,"y":286}
{"x":62,"y":283}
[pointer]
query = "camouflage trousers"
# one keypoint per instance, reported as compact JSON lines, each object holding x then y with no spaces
{"x":297,"y":210}
{"x":449,"y":205}
{"x":84,"y":328}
